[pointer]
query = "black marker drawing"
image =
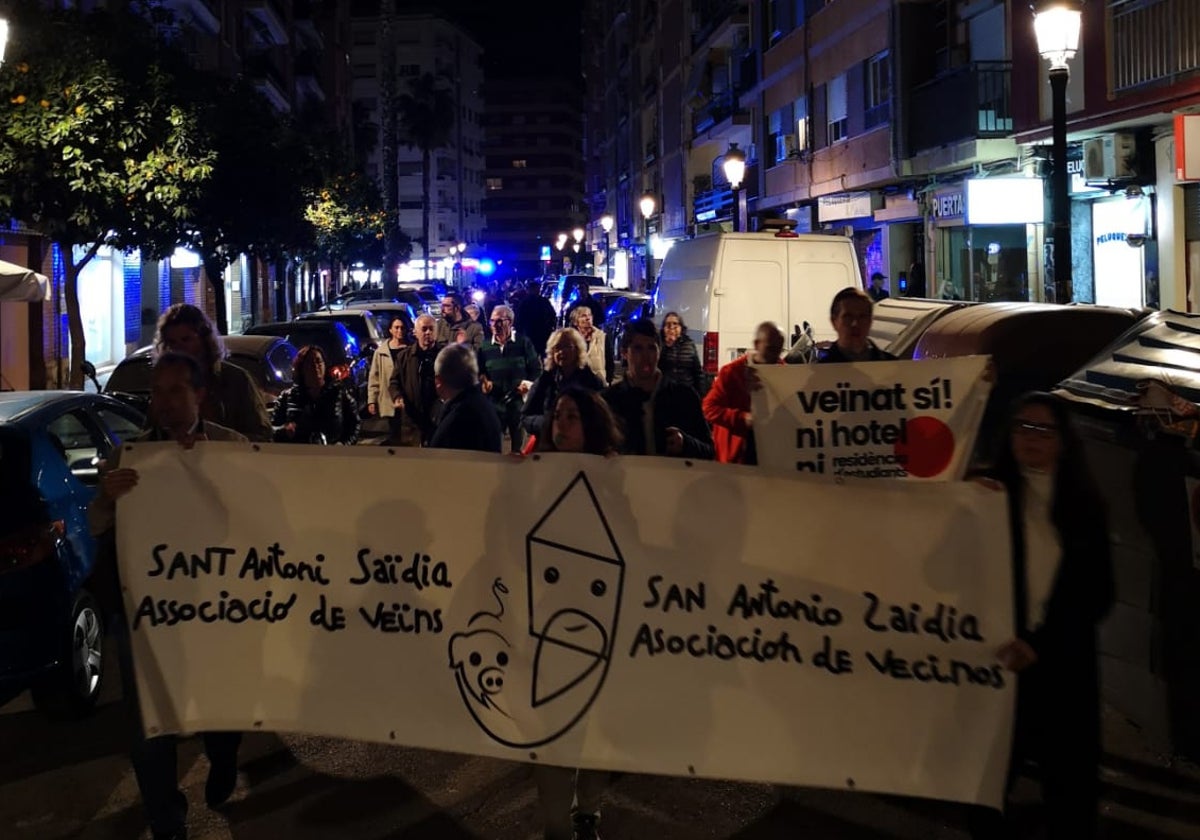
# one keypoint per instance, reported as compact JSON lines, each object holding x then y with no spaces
{"x":479,"y":657}
{"x":530,"y":694}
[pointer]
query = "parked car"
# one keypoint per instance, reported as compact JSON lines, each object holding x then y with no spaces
{"x":267,"y":358}
{"x":568,"y":289}
{"x":363,"y":322}
{"x":345,"y":359}
{"x":383,"y":312}
{"x":51,"y":626}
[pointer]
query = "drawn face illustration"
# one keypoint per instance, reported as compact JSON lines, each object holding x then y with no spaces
{"x":573,"y":598}
{"x":480,"y":658}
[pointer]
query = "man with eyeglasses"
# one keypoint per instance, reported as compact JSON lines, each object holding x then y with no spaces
{"x":456,"y":326}
{"x":508,"y":366}
{"x":851,"y":314}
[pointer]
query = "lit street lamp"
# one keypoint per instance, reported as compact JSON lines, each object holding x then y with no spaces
{"x":648,"y":205}
{"x":3,"y":37}
{"x":735,"y":171}
{"x":1057,"y":24}
{"x":606,"y":224}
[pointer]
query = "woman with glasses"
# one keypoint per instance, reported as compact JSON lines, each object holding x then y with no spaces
{"x":679,"y":360}
{"x":565,"y":368}
{"x":1063,"y":588}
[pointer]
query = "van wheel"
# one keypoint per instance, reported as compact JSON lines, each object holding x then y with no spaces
{"x":72,"y":690}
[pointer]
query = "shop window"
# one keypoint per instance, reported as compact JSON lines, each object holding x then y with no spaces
{"x":878,"y":75}
{"x":836,"y":110}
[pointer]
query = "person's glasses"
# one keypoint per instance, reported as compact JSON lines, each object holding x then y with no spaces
{"x":1041,"y":430}
{"x":496,"y":321}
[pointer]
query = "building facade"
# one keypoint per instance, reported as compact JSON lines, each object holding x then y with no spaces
{"x":534,"y":177}
{"x":920,"y":128}
{"x":429,"y":43}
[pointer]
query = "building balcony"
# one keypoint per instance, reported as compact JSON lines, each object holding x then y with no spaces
{"x":304,"y":17}
{"x":717,"y":18}
{"x":200,"y":12}
{"x":1153,"y":42}
{"x":269,"y":20}
{"x":982,"y":93}
{"x":307,"y":72}
{"x":715,"y":204}
{"x":721,"y":109}
{"x":261,"y":69}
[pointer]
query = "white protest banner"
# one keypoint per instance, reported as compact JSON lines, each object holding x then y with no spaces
{"x":872,"y":420}
{"x":637,"y":614}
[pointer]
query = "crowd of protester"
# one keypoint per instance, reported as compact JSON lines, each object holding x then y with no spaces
{"x":465,"y":383}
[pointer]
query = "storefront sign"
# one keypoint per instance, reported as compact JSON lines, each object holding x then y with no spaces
{"x":1187,"y":147}
{"x":832,"y":208}
{"x":645,"y":615}
{"x":876,"y":420}
{"x":1118,"y":265}
{"x":1005,"y":201}
{"x":947,"y":204}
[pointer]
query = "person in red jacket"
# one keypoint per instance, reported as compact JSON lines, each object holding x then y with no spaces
{"x":727,"y":404}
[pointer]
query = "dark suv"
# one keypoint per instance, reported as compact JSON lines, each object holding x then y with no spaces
{"x":346,"y":360}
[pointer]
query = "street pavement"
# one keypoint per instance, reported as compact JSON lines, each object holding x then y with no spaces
{"x":73,"y":780}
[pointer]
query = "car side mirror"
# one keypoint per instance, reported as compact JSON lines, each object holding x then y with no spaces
{"x":89,"y":370}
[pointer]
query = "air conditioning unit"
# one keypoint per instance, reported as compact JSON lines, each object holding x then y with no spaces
{"x":1109,"y":157}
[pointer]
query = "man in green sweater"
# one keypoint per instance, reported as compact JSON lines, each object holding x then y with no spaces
{"x":508,"y":366}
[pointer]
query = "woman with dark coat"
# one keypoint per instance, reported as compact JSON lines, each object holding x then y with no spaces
{"x":314,"y":409}
{"x":1063,"y":588}
{"x":679,"y":360}
{"x":566,"y":367}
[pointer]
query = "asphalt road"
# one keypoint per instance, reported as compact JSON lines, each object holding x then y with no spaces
{"x":72,"y":780}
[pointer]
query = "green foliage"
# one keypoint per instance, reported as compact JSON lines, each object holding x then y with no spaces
{"x":350,"y":221}
{"x":94,"y":146}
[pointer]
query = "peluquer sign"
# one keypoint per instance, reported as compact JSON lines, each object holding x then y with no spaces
{"x":637,"y":614}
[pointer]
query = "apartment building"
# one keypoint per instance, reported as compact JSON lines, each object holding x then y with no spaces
{"x":429,"y":43}
{"x":534,"y":176}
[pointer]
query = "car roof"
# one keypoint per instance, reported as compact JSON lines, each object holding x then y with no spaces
{"x":18,"y":406}
{"x":250,"y":345}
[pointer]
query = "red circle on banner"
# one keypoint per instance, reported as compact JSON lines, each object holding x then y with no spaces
{"x":928,"y":447}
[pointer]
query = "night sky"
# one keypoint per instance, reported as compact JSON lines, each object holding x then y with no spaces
{"x":523,"y":38}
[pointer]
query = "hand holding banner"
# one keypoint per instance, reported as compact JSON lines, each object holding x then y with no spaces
{"x":873,"y":420}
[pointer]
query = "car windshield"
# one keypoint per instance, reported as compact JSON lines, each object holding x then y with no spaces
{"x":358,"y":326}
{"x":132,"y":376}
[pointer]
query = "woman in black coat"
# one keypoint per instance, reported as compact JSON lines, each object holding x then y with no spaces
{"x":565,"y":368}
{"x":1063,"y":588}
{"x":679,"y":360}
{"x":315,"y":409}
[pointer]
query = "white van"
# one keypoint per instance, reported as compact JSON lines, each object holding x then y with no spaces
{"x":726,"y":284}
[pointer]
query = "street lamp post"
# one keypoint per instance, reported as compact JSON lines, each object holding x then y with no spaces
{"x":648,"y":205}
{"x":735,"y":170}
{"x":1056,"y":24}
{"x":577,"y":235}
{"x":561,"y":244}
{"x":606,"y":224}
{"x":3,"y":37}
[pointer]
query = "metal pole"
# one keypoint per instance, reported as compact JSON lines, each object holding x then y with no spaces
{"x":737,"y":208}
{"x":1059,"y":184}
{"x":649,"y":258}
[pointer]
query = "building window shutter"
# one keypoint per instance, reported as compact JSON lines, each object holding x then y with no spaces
{"x":819,"y":125}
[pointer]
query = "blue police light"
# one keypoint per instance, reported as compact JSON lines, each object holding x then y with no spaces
{"x":487,"y":267}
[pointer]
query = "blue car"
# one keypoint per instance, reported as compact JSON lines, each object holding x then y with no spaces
{"x":51,"y":626}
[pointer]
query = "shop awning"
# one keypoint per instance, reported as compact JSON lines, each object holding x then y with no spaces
{"x":18,"y":283}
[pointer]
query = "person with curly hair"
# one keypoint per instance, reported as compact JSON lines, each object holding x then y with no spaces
{"x":231,"y":398}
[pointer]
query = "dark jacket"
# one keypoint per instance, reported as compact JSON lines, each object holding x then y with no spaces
{"x":412,"y":381}
{"x":674,"y":405}
{"x":539,"y":405}
{"x":536,"y":319}
{"x":231,"y":399}
{"x":468,"y":421}
{"x":680,"y":362}
{"x":834,"y":355}
{"x":333,"y":414}
{"x":447,"y":333}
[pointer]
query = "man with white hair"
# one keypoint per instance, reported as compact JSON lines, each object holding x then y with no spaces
{"x":508,"y":367}
{"x":467,"y":421}
{"x":411,"y":388}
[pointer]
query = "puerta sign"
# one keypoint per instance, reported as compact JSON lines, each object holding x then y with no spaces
{"x":636,"y":614}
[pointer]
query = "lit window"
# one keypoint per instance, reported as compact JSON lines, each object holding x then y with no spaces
{"x":836,"y":108}
{"x":520,"y":164}
{"x":878,"y":73}
{"x":494,"y":184}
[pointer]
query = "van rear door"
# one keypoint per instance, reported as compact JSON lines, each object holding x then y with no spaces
{"x":818,"y":268}
{"x":751,"y":288}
